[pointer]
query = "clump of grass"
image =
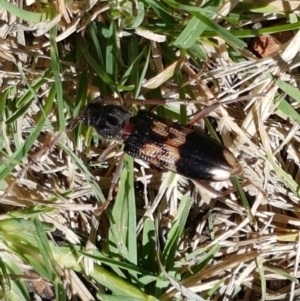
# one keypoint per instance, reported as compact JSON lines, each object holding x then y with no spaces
{"x":162,"y":237}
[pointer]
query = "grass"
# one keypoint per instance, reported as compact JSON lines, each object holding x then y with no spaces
{"x":162,"y":237}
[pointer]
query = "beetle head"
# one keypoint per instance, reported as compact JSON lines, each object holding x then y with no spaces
{"x":108,"y":120}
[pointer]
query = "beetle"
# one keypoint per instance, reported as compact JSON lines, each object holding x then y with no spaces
{"x":161,"y":142}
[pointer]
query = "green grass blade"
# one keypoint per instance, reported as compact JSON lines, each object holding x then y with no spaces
{"x":219,"y":31}
{"x":23,"y":14}
{"x":57,"y":74}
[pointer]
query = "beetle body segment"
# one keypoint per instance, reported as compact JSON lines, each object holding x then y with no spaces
{"x":180,"y":149}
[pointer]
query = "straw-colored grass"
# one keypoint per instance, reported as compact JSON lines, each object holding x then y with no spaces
{"x":162,"y":236}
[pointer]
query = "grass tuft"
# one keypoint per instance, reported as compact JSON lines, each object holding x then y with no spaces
{"x":70,"y":225}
